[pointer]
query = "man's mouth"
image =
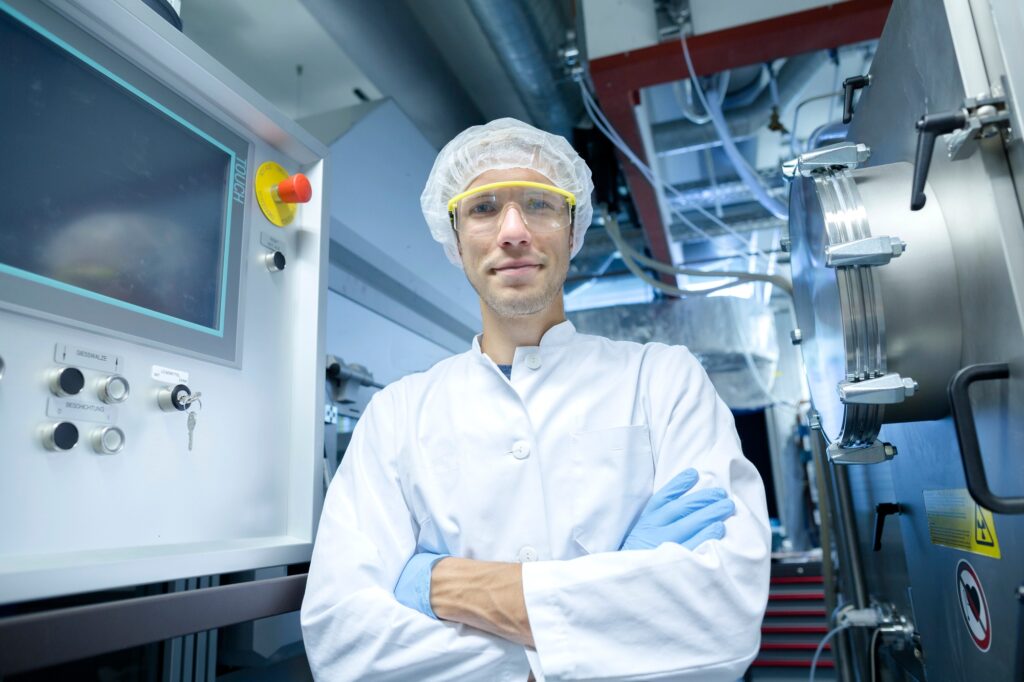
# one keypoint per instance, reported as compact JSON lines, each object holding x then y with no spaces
{"x":517,"y":269}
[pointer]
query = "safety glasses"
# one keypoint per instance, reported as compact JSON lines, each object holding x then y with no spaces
{"x":543,"y":208}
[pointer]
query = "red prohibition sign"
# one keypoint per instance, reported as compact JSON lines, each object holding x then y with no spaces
{"x":973,"y":605}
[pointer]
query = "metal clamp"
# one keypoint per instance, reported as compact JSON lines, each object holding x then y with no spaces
{"x":883,"y":390}
{"x":869,"y":251}
{"x":875,"y":453}
{"x":841,"y":155}
{"x":967,"y":435}
{"x":985,"y":117}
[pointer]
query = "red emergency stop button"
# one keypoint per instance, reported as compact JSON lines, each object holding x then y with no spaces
{"x":294,"y":189}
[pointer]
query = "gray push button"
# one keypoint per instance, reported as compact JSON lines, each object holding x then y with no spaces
{"x":113,"y":389}
{"x":108,"y":440}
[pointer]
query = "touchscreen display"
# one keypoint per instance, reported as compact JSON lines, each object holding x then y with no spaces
{"x":106,"y":193}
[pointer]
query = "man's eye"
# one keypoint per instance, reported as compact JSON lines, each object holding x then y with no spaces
{"x":483,"y":208}
{"x":539,"y":205}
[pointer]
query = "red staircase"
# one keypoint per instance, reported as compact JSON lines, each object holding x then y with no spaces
{"x":794,"y":624}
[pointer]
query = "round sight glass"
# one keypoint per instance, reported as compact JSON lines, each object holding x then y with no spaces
{"x":543,"y":208}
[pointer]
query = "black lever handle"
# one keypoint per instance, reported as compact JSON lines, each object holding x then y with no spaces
{"x":850,"y":86}
{"x":881,"y":511}
{"x":967,"y":435}
{"x":929,"y":127}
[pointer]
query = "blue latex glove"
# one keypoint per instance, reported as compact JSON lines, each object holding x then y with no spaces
{"x":686,"y":519}
{"x":413,"y":587}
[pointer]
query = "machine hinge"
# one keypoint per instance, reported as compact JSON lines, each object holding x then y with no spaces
{"x":985,"y":116}
{"x":883,"y":390}
{"x":875,"y":453}
{"x":841,"y":155}
{"x":868,"y":251}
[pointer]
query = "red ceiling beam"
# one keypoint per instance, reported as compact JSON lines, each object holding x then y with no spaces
{"x":618,"y":78}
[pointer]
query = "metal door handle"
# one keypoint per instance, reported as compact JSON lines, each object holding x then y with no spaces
{"x":929,"y":127}
{"x":967,"y":435}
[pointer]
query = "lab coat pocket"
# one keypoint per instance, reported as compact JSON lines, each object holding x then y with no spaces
{"x":613,"y":480}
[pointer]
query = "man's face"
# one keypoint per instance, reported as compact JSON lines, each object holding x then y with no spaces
{"x":516,"y":272}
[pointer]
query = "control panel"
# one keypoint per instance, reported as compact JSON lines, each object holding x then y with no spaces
{"x":161,"y":274}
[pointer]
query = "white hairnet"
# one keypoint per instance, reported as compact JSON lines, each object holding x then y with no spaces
{"x":498,"y":145}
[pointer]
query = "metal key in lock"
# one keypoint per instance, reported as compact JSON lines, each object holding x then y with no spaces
{"x":192,"y":404}
{"x":191,"y":429}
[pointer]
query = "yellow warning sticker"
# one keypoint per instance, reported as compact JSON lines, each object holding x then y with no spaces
{"x":955,"y":520}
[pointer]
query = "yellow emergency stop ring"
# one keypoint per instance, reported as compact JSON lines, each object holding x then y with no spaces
{"x":268,"y":175}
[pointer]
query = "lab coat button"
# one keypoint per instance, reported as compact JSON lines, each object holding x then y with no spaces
{"x":533,"y":361}
{"x":527,"y":554}
{"x":521,"y":449}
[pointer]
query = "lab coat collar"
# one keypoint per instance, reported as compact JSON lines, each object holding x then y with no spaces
{"x":559,"y":335}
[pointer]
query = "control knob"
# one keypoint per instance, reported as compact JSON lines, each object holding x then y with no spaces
{"x":66,"y":381}
{"x":60,"y":436}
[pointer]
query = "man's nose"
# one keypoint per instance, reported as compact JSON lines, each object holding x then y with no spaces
{"x":512,"y":228}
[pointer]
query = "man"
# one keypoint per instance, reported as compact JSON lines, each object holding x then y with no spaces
{"x":531,"y":505}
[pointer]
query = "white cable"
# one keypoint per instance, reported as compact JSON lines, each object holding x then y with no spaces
{"x":630,"y":256}
{"x":752,"y":366}
{"x":796,"y":114}
{"x":627,"y":253}
{"x":609,"y":131}
{"x":686,"y":104}
{"x":748,"y":174}
{"x":821,"y":646}
{"x":835,"y":87}
{"x":602,"y":124}
{"x":874,"y":640}
{"x":625,"y":250}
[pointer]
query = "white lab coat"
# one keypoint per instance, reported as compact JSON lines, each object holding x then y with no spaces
{"x":550,"y":469}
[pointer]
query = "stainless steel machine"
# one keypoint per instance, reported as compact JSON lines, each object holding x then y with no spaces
{"x":908,"y":262}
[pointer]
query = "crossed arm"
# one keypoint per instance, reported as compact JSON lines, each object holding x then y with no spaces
{"x":489,"y":595}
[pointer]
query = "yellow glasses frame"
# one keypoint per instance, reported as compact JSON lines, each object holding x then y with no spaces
{"x":569,"y":196}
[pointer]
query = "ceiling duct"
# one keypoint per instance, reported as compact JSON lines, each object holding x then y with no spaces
{"x":679,"y":136}
{"x":523,"y":35}
{"x":390,"y":46}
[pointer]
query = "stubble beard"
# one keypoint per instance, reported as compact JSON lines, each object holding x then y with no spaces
{"x":522,"y":305}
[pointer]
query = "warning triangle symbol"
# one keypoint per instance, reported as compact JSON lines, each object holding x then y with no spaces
{"x":982,"y":533}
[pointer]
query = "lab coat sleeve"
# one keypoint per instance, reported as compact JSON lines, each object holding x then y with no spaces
{"x":352,"y":625}
{"x":669,"y":612}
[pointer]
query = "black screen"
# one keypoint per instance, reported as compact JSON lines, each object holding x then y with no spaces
{"x":103,"y":190}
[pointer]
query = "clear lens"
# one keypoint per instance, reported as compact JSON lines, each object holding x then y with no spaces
{"x":542,"y":210}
